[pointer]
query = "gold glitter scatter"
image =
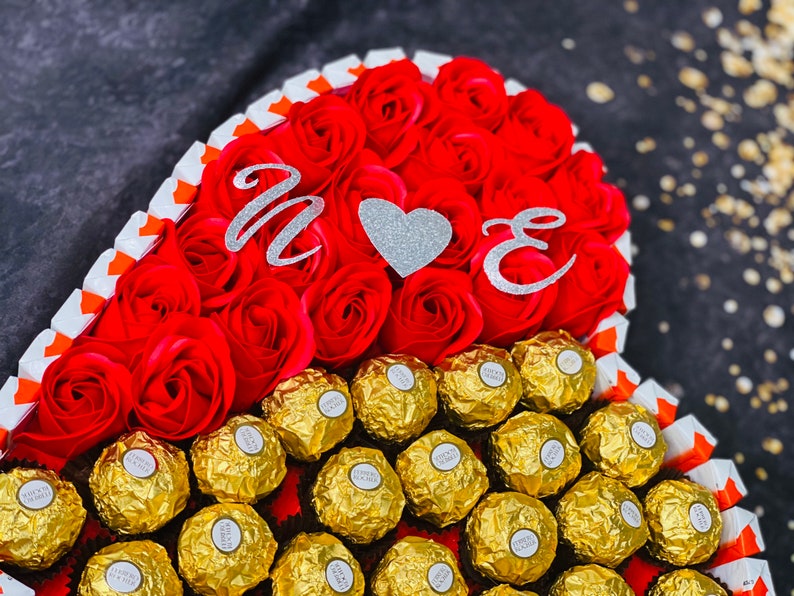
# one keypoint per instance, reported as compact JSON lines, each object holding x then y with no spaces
{"x":700,"y":158}
{"x":734,"y":369}
{"x":773,"y":285}
{"x":712,"y":121}
{"x":666,"y":225}
{"x":702,"y":281}
{"x":693,"y":78}
{"x":686,"y":104}
{"x":631,"y":6}
{"x":712,"y":17}
{"x":739,"y":457}
{"x":761,"y":474}
{"x":568,"y":43}
{"x":774,"y":316}
{"x":748,"y":150}
{"x":698,"y":239}
{"x":772,"y":445}
{"x":777,"y":220}
{"x":600,"y":92}
{"x":730,"y":306}
{"x":721,"y":140}
{"x":645,"y":145}
{"x":689,"y":142}
{"x":641,"y":203}
{"x":667,"y":183}
{"x":644,"y":81}
{"x":751,"y":277}
{"x":762,"y":93}
{"x":664,"y":327}
{"x":770,"y":356}
{"x":749,"y":6}
{"x":736,"y":65}
{"x":683,"y":41}
{"x":727,"y":343}
{"x":722,"y":404}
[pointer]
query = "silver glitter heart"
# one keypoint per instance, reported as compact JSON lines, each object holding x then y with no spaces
{"x":408,"y":241}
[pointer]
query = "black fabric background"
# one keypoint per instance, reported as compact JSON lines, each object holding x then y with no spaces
{"x":99,"y":99}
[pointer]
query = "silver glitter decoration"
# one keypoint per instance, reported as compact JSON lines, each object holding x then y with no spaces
{"x":523,"y":220}
{"x":408,"y":241}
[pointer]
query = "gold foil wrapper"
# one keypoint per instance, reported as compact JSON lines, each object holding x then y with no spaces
{"x":535,"y":454}
{"x":241,"y":462}
{"x":142,"y":568}
{"x":479,"y":387}
{"x":418,"y":567}
{"x":225,"y":550}
{"x":506,"y":590}
{"x":394,"y":396}
{"x":358,"y":495}
{"x":441,"y":477}
{"x":40,"y":517}
{"x":558,"y":373}
{"x":317,"y":565}
{"x":511,"y":538}
{"x":590,"y":580}
{"x":686,"y":582}
{"x":139,"y":484}
{"x":623,"y":440}
{"x":311,"y":413}
{"x":684,"y":521}
{"x":602,"y":520}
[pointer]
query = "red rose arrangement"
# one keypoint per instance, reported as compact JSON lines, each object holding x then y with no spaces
{"x":195,"y":331}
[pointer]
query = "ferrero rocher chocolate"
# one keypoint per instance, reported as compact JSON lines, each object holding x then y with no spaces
{"x":311,"y":412}
{"x":623,"y":440}
{"x":241,"y":462}
{"x":558,"y":373}
{"x":317,"y":565}
{"x":479,"y":387}
{"x":686,"y":582}
{"x":441,"y":477}
{"x":394,"y":396}
{"x":225,"y":549}
{"x":535,"y":454}
{"x":139,"y":484}
{"x":511,"y":538}
{"x":40,"y":517}
{"x":590,"y":580}
{"x":684,"y":521}
{"x":506,"y":590}
{"x":418,"y":567}
{"x":141,"y":567}
{"x":358,"y":495}
{"x":601,"y":519}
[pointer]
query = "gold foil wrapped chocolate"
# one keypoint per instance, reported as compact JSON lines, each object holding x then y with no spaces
{"x":225,"y":549}
{"x":535,"y":454}
{"x":506,"y":590}
{"x":511,"y":538}
{"x":479,"y":387}
{"x":394,"y":396}
{"x":558,"y":373}
{"x":358,"y":495}
{"x":311,"y":413}
{"x":590,"y":580}
{"x":623,"y":440}
{"x":601,"y":519}
{"x":141,"y":567}
{"x":317,"y":565}
{"x":139,"y":484}
{"x":241,"y":462}
{"x":40,"y":517}
{"x":684,"y":521}
{"x":418,"y":567}
{"x":441,"y":477}
{"x":686,"y":582}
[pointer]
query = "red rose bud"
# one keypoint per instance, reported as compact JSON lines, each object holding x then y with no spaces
{"x":471,"y":87}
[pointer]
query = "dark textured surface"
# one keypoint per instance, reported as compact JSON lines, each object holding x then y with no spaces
{"x":99,"y":100}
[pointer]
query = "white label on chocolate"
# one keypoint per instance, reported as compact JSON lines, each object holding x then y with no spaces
{"x":332,"y":404}
{"x":139,"y":463}
{"x":401,"y":377}
{"x":552,"y":454}
{"x":365,"y":476}
{"x":123,"y":577}
{"x":631,"y":514}
{"x":492,"y":374}
{"x":524,"y":543}
{"x":249,"y":440}
{"x":36,"y":494}
{"x":440,"y":577}
{"x":339,"y":576}
{"x":700,"y":517}
{"x":226,"y":535}
{"x":445,"y":457}
{"x":643,"y":434}
{"x":569,"y":362}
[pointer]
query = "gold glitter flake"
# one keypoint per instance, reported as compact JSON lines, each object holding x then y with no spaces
{"x":702,"y":281}
{"x":772,"y":445}
{"x":721,"y":140}
{"x":700,"y":158}
{"x":666,"y":225}
{"x":698,"y":239}
{"x":645,"y":145}
{"x":727,"y":343}
{"x":667,"y":183}
{"x":712,"y":120}
{"x":683,"y":41}
{"x":762,"y":93}
{"x":761,"y":474}
{"x":749,"y":6}
{"x":641,"y":203}
{"x":774,"y":316}
{"x":600,"y":92}
{"x":712,"y":17}
{"x":568,"y":43}
{"x":736,"y":65}
{"x":744,"y":385}
{"x":693,"y":78}
{"x":751,"y":277}
{"x":631,"y":6}
{"x":644,"y":81}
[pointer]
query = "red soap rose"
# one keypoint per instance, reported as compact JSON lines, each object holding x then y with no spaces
{"x":347,"y":311}
{"x":393,"y":102}
{"x":84,"y":399}
{"x":145,"y":296}
{"x":537,"y":134}
{"x":592,"y":289}
{"x":473,"y":88}
{"x":506,"y":193}
{"x":508,"y":318}
{"x":319,"y":138}
{"x":184,"y":382}
{"x":270,"y":337}
{"x":588,"y":202}
{"x":432,"y":316}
